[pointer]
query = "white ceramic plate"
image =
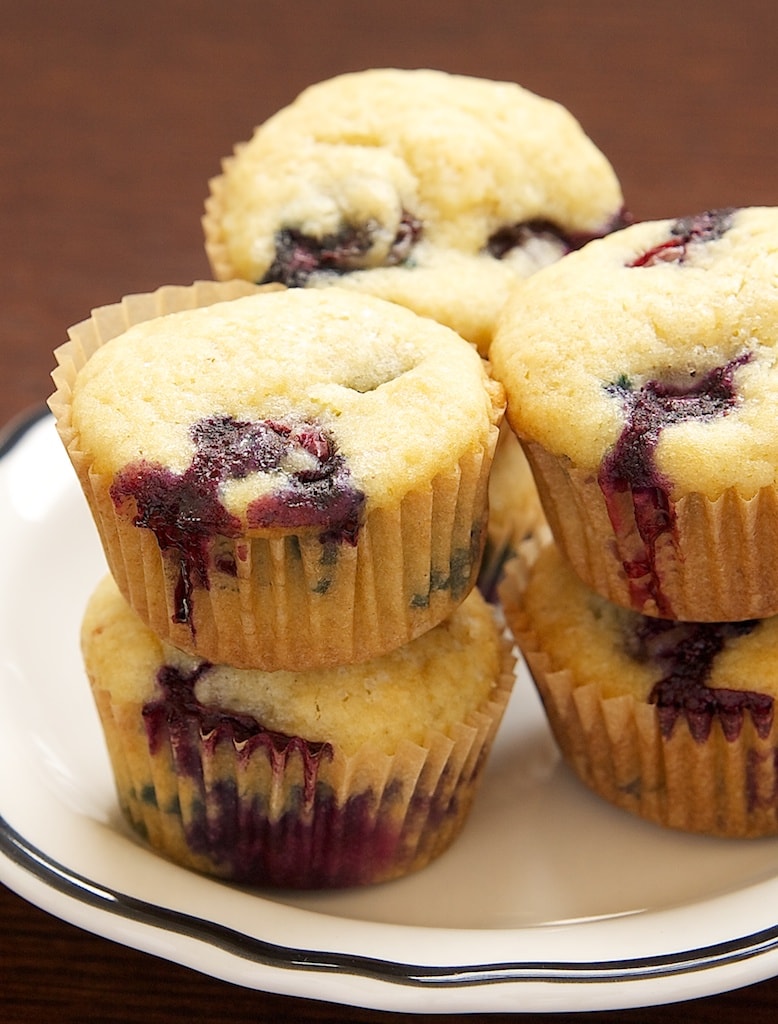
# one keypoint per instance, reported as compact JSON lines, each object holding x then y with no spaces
{"x":550,"y":900}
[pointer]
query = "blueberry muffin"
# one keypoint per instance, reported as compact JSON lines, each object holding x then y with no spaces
{"x":289,"y":479}
{"x":433,"y":190}
{"x":436,"y":191}
{"x":672,"y":721}
{"x":336,"y":777}
{"x":642,"y":380}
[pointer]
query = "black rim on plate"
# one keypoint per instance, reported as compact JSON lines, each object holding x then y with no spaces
{"x":56,"y":876}
{"x":246,"y":947}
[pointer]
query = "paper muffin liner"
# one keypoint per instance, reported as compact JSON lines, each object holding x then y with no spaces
{"x":515,"y":511}
{"x":718,"y":786}
{"x":280,"y":599}
{"x":278,"y":811}
{"x":708,"y":565}
{"x":216,"y":248}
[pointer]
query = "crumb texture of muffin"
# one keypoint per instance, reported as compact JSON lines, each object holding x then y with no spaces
{"x":318,"y":779}
{"x":288,"y":479}
{"x":642,"y":380}
{"x":672,"y":721}
{"x":433,"y":190}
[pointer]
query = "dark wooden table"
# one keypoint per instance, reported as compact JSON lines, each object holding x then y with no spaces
{"x":113,"y":118}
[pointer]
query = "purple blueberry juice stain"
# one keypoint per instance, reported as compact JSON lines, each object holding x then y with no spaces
{"x":237,"y":832}
{"x":177,"y":717}
{"x":298,"y":256}
{"x":515,"y":236}
{"x":685,"y":653}
{"x":317,"y":841}
{"x":762,"y":796}
{"x":185,"y":512}
{"x":685,"y":234}
{"x":322,"y":495}
{"x":629,"y":467}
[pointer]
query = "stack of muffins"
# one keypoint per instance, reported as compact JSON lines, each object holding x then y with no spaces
{"x":297,"y":681}
{"x":289,"y":470}
{"x":641,"y":376}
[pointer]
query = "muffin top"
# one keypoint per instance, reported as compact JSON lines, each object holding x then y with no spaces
{"x":650,"y":355}
{"x":434,"y":190}
{"x":287,"y":400}
{"x":697,"y":670}
{"x":432,"y":683}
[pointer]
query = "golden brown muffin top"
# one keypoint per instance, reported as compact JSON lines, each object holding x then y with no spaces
{"x":666,"y":329}
{"x":391,"y":397}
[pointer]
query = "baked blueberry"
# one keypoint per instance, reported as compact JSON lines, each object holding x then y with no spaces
{"x":185,"y":511}
{"x":505,"y":240}
{"x":685,"y":652}
{"x":630,"y":465}
{"x":684,"y":234}
{"x":299,"y":256}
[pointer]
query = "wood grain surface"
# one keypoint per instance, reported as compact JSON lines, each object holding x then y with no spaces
{"x":114,"y":116}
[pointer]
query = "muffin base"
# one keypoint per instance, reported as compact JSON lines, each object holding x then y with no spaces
{"x":278,"y":811}
{"x":293,"y":602}
{"x":717,"y":786}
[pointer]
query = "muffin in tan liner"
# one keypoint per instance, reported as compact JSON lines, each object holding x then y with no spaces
{"x":320,"y":779}
{"x":641,"y":380}
{"x":671,"y":721}
{"x":286,"y":480}
{"x":433,"y":190}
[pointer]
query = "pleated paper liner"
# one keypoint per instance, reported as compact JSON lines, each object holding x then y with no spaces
{"x":708,"y":565}
{"x":216,"y":248}
{"x":281,"y":598}
{"x":718,"y":786}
